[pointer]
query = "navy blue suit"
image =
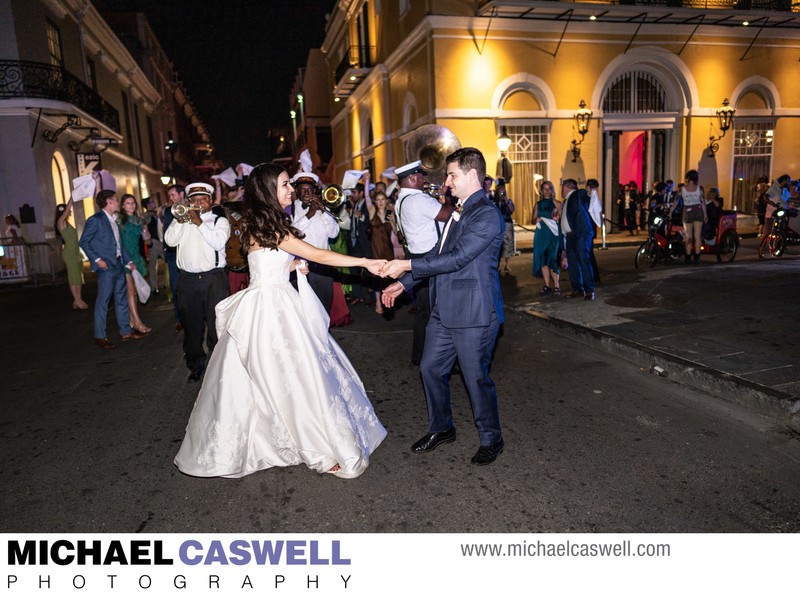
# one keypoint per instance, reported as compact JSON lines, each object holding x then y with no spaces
{"x":466,"y":314}
{"x":98,"y":241}
{"x":579,"y":241}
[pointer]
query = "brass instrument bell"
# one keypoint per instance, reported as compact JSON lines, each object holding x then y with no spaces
{"x":431,"y":144}
{"x":181,"y":211}
{"x":333,"y":196}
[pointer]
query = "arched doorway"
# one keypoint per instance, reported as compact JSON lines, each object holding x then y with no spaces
{"x":60,"y":178}
{"x":640,"y":124}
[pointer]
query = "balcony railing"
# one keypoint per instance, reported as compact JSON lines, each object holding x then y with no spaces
{"x":357,"y":57}
{"x":36,"y":79}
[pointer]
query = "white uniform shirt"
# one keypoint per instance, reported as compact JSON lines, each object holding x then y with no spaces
{"x":318,"y":229}
{"x":200,"y":249}
{"x":416,"y":213}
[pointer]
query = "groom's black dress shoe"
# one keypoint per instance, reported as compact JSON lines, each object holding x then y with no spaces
{"x":433,"y":440}
{"x":487,"y":454}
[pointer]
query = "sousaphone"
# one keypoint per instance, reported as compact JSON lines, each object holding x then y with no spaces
{"x":431,"y":144}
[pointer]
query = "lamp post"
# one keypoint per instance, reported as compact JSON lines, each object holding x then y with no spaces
{"x":582,"y":118}
{"x":170,"y":147}
{"x":301,"y":101}
{"x":725,"y":120}
{"x":293,"y":115}
{"x":504,"y":167}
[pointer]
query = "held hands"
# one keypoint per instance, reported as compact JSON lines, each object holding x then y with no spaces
{"x":383,"y":268}
{"x":376,"y":267}
{"x":395,"y":268}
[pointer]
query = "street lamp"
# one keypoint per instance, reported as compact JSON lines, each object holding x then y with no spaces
{"x":725,"y":120}
{"x":504,"y":167}
{"x":293,"y":115}
{"x":582,"y":118}
{"x":301,"y":101}
{"x":170,"y":147}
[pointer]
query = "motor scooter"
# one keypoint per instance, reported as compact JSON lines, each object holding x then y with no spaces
{"x":664,"y":240}
{"x":781,"y":234}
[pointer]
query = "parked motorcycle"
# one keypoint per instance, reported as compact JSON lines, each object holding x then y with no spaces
{"x":774,"y":244}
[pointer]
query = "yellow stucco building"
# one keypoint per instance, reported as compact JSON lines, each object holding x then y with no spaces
{"x":654,"y":75}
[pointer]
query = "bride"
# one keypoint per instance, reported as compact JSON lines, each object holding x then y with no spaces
{"x":278,"y":391}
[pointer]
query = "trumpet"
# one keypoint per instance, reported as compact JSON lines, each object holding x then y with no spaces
{"x":433,"y":190}
{"x":333,"y":196}
{"x":181,"y":212}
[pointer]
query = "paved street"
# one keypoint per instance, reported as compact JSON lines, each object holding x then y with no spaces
{"x":594,"y":442}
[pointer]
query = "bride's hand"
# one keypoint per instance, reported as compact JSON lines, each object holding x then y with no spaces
{"x":301,"y":266}
{"x":375,"y":266}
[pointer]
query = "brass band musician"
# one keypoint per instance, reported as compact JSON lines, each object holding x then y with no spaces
{"x":319,"y":225}
{"x":199,"y":233}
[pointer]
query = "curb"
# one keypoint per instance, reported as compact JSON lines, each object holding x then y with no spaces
{"x":779,"y":406}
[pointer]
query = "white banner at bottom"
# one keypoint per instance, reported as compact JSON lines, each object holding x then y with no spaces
{"x":369,"y":563}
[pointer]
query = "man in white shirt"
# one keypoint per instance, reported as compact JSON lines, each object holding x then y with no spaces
{"x":420,"y":219}
{"x":202,"y":282}
{"x":318,"y":225}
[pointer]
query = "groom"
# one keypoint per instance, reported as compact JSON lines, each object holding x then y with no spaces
{"x":466,"y":307}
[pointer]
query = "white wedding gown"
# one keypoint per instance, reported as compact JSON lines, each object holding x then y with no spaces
{"x":278,"y":390}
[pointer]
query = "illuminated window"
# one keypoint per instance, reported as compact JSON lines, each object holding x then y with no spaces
{"x":54,"y":44}
{"x":635,"y":92}
{"x":752,"y":158}
{"x":529,"y":153}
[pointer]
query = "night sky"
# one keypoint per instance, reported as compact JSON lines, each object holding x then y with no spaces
{"x":237,"y":60}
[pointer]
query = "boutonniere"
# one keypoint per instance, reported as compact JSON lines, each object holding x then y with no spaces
{"x":457,"y":212}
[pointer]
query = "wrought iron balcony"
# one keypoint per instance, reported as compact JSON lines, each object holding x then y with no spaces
{"x":354,"y":67}
{"x":658,"y":12}
{"x":36,"y":79}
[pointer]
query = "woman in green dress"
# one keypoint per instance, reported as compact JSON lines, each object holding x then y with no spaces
{"x":547,"y":240}
{"x":71,"y":254}
{"x":132,"y":230}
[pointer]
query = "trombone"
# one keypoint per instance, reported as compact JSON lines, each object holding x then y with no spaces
{"x":181,"y":212}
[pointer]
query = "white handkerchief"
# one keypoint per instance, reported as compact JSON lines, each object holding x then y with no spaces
{"x":79,"y":181}
{"x":351,"y":177}
{"x":392,"y":187}
{"x":228,"y":177}
{"x":246,"y":169}
{"x":306,"y":164}
{"x":84,"y":187}
{"x":389,"y":173}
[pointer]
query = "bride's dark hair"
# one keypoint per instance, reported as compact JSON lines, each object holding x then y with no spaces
{"x":264,"y":221}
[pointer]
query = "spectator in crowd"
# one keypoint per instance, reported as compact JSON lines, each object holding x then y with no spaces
{"x":12,"y":229}
{"x":382,"y":227}
{"x":155,"y":247}
{"x":102,"y":243}
{"x":133,"y":233}
{"x":176,"y":195}
{"x":71,"y":254}
{"x":694,"y":215}
{"x":576,"y":225}
{"x":760,"y":202}
{"x":506,"y":206}
{"x":547,"y":240}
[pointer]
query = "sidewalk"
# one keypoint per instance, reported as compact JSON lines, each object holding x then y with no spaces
{"x":727,"y":329}
{"x":747,"y":226}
